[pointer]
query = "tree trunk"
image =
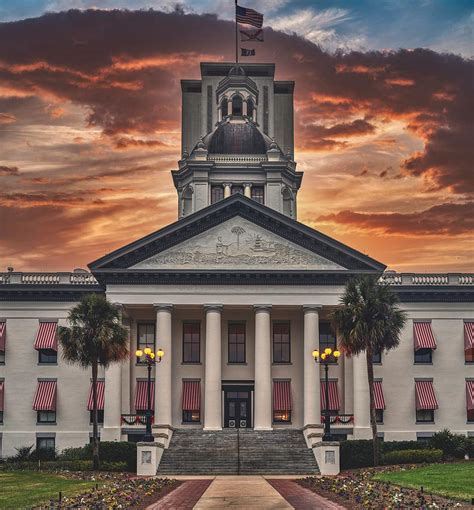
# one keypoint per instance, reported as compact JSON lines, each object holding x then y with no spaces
{"x":95,"y":435}
{"x":373,"y":421}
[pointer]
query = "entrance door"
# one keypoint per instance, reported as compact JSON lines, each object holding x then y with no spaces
{"x":237,"y":409}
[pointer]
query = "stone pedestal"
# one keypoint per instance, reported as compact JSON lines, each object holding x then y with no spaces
{"x":328,"y":457}
{"x":148,"y":458}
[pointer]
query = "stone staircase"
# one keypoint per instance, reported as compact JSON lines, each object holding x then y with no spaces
{"x":231,"y":452}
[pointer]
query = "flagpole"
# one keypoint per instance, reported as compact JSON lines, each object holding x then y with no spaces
{"x":236,"y":36}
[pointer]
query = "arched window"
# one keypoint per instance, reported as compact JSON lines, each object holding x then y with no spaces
{"x":224,"y":107}
{"x":250,"y":107}
{"x":287,"y":202}
{"x":187,"y":201}
{"x":237,"y":106}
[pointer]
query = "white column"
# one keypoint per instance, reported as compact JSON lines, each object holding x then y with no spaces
{"x":112,"y":403}
{"x":248,"y":190}
{"x":361,"y":403}
{"x":219,"y":110}
{"x":244,"y":108}
{"x":311,"y":376}
{"x":263,"y":368}
{"x":163,"y":370}
{"x":227,"y":190}
{"x":229,"y":107}
{"x":212,"y":369}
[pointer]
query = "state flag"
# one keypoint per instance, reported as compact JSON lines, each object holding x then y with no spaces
{"x":251,"y":35}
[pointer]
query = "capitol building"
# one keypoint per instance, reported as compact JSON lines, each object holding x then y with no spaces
{"x":237,"y":292}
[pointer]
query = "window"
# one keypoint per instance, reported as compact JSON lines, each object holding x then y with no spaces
{"x":217,"y":194}
{"x":237,"y":106}
{"x":377,"y":357}
{"x":379,"y":415}
{"x":47,"y":356}
{"x":1,"y":416}
{"x":237,"y":189}
{"x":425,"y":415}
{"x":187,"y":201}
{"x":145,"y":337}
{"x":224,"y":107}
{"x":2,"y":357}
{"x":100,"y":416}
{"x":236,"y":343}
{"x":282,"y":416}
{"x":470,"y":415}
{"x":327,"y":338}
{"x":191,"y":416}
{"x":45,"y":442}
{"x":250,"y":107}
{"x":46,"y":417}
{"x":191,"y":342}
{"x":468,"y":356}
{"x":281,"y":343}
{"x":423,"y":356}
{"x":257,"y":194}
{"x":287,"y":202}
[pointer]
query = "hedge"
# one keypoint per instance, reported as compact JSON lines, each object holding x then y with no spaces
{"x":109,"y":452}
{"x":412,"y":456}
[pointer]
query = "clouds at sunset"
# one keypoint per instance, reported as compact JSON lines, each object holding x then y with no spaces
{"x":90,"y":116}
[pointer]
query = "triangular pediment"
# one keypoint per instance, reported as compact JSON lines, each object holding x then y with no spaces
{"x":237,"y":243}
{"x":235,"y":235}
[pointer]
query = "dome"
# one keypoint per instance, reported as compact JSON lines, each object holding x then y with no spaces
{"x":237,"y":138}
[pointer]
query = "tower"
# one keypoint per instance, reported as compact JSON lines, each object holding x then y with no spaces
{"x":237,"y":137}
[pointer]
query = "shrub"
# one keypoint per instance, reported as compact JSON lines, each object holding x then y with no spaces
{"x":80,"y":453}
{"x":112,"y":451}
{"x":114,"y":466}
{"x":392,"y":446}
{"x":23,"y":453}
{"x":454,"y":446}
{"x":470,"y":447}
{"x":356,"y":453}
{"x":43,"y":454}
{"x":412,"y":456}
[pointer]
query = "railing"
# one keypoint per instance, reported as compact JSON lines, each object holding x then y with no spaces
{"x":427,"y":279}
{"x":134,"y":420}
{"x":61,"y":278}
{"x":340,"y":419}
{"x":237,"y":159}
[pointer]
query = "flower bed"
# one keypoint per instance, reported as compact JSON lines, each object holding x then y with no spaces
{"x":358,"y":490}
{"x":114,"y":491}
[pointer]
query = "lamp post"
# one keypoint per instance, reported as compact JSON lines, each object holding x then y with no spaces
{"x":325,"y":358}
{"x":150,"y":360}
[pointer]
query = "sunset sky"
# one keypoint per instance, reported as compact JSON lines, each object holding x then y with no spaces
{"x":90,"y":122}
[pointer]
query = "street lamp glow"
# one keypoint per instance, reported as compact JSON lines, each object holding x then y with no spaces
{"x":328,"y":351}
{"x":147,"y":350}
{"x":315,"y":354}
{"x":139,"y":353}
{"x":160,"y":353}
{"x":336,"y":354}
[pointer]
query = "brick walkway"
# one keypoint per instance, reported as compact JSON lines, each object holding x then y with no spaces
{"x":301,"y":498}
{"x":184,"y":497}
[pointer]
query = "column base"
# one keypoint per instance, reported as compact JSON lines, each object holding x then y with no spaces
{"x":362,"y":433}
{"x":111,"y":434}
{"x":263,"y":428}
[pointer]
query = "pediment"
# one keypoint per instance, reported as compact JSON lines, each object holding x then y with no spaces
{"x":237,"y":243}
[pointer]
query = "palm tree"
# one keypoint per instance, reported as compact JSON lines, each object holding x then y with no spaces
{"x":238,"y":231}
{"x":369,"y":321}
{"x":96,"y":337}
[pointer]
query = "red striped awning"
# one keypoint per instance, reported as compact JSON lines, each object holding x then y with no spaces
{"x":100,"y":397}
{"x":470,"y":395}
{"x":3,"y":335}
{"x":468,"y":335}
{"x":46,"y":337}
{"x":45,"y":398}
{"x":423,"y":336}
{"x":141,"y":396}
{"x":2,"y":395}
{"x":281,"y":395}
{"x":333,"y":396}
{"x":425,"y":395}
{"x":191,"y":396}
{"x":378,"y":395}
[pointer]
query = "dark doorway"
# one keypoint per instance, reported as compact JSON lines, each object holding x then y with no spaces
{"x":237,"y":407}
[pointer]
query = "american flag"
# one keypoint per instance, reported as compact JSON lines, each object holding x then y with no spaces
{"x":249,"y":16}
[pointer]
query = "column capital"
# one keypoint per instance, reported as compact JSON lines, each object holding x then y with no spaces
{"x":213,"y":307}
{"x":163,"y":306}
{"x":248,"y":184}
{"x":262,"y":308}
{"x":312,"y":308}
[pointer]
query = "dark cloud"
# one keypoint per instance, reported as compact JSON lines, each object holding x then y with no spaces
{"x":440,"y":220}
{"x":126,"y":143}
{"x":8,"y":170}
{"x":355,"y":128}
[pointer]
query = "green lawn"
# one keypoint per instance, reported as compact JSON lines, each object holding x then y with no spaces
{"x":450,"y":480}
{"x":23,"y":489}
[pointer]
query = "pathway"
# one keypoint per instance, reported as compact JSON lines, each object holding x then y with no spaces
{"x":242,"y":493}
